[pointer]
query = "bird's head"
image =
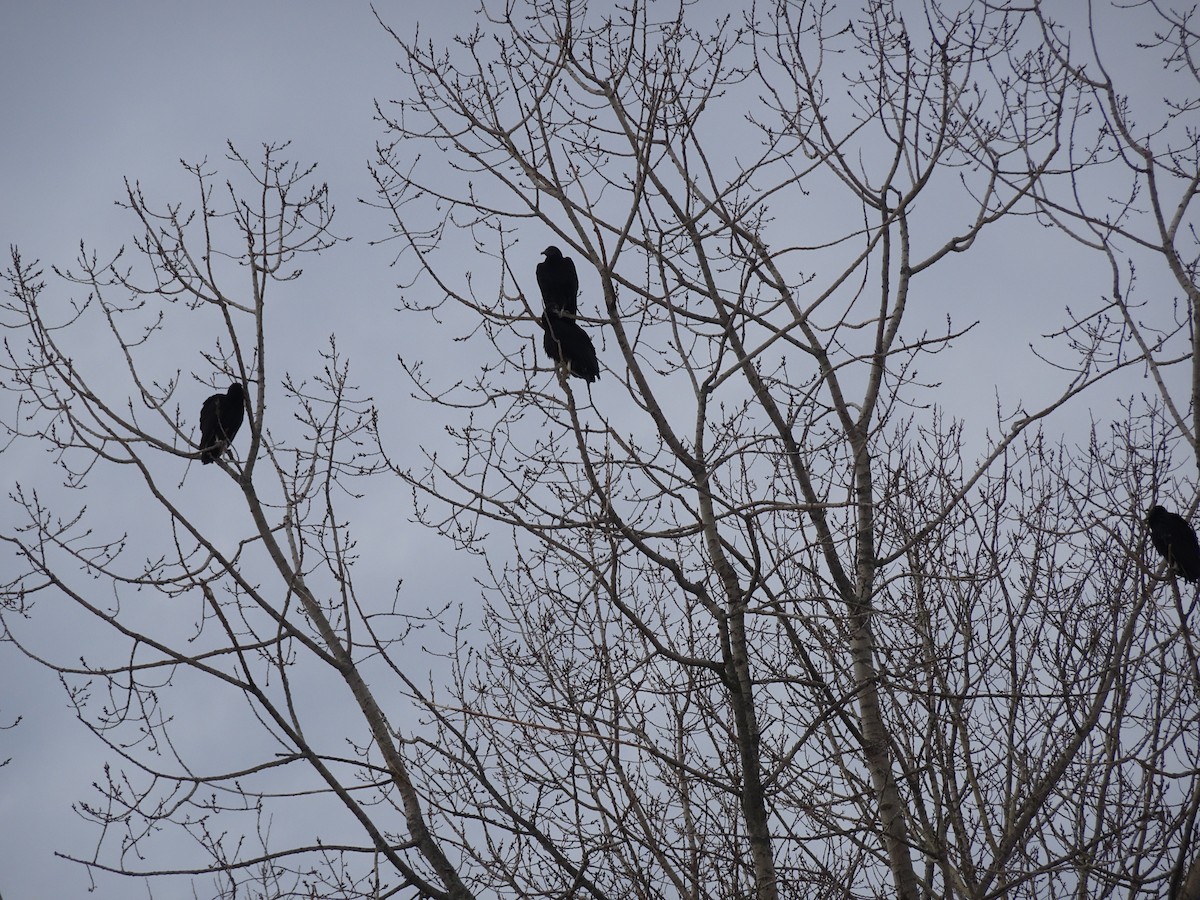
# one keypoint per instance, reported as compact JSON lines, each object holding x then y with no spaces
{"x":1155,"y":512}
{"x":236,"y":392}
{"x":552,"y":252}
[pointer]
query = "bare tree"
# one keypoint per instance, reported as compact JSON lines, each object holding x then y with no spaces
{"x":760,"y":619}
{"x":813,"y":634}
{"x":274,"y":602}
{"x":1135,"y":174}
{"x":1146,"y":151}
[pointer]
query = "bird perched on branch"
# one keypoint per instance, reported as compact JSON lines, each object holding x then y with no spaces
{"x":1175,"y":540}
{"x":563,"y":340}
{"x":559,"y":281}
{"x":566,"y":343}
{"x":220,"y":418}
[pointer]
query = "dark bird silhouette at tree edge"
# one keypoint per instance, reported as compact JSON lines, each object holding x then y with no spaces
{"x":559,"y":281}
{"x":566,"y":343}
{"x":220,"y":418}
{"x":1175,"y":540}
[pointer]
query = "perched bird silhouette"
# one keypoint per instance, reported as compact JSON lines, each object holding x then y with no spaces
{"x":1175,"y":540}
{"x":566,"y":343}
{"x":557,"y":278}
{"x":220,"y":418}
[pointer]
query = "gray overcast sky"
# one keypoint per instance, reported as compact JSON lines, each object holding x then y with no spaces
{"x":93,"y":93}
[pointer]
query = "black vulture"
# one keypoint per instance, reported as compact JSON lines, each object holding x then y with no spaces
{"x":220,"y":418}
{"x":559,"y":283}
{"x":1175,"y":540}
{"x":565,"y":342}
